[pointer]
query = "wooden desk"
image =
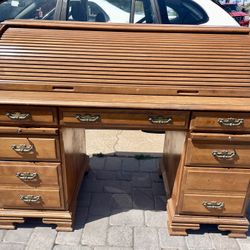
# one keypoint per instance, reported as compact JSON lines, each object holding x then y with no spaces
{"x":45,"y":109}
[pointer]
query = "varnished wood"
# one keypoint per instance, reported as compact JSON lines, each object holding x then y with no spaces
{"x":47,"y":174}
{"x":146,"y":70}
{"x":44,"y":149}
{"x":42,"y":116}
{"x":138,"y":119}
{"x":200,"y":151}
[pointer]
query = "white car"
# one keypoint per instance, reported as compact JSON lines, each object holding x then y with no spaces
{"x":196,"y":12}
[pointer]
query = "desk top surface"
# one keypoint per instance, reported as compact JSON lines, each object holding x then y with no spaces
{"x":124,"y":101}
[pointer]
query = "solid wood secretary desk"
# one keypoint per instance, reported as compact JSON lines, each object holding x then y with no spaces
{"x":59,"y":78}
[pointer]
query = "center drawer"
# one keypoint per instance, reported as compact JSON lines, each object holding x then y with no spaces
{"x":123,"y":118}
{"x":218,"y":150}
{"x":29,"y":148}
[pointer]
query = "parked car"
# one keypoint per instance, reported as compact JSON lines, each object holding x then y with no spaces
{"x":197,"y":12}
{"x":237,"y":13}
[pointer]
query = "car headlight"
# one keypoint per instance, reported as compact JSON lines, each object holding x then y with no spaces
{"x":246,"y":18}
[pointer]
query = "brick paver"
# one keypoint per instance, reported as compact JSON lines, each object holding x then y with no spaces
{"x":121,"y":206}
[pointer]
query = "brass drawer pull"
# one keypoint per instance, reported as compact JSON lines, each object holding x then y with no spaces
{"x":31,"y":198}
{"x":18,"y":116}
{"x":231,"y":122}
{"x":213,"y":204}
{"x":224,"y":155}
{"x":87,"y":118}
{"x":160,"y":120}
{"x":22,"y":148}
{"x":26,"y":176}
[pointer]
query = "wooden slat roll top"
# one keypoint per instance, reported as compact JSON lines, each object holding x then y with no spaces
{"x":126,"y":59}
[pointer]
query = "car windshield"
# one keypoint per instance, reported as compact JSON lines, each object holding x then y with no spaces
{"x":27,"y":9}
{"x":232,"y":7}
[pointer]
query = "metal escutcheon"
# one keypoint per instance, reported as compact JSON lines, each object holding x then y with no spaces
{"x":31,"y":198}
{"x":87,"y":118}
{"x":213,"y":204}
{"x":26,"y":176}
{"x":18,"y":115}
{"x":160,"y":120}
{"x":224,"y":155}
{"x":22,"y":148}
{"x":231,"y":122}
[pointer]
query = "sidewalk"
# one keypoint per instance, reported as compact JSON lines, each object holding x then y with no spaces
{"x":121,"y":206}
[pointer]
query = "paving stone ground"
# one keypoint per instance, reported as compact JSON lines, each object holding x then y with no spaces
{"x":121,"y":206}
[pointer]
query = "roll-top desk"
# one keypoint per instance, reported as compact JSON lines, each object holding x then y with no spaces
{"x":58,"y":79}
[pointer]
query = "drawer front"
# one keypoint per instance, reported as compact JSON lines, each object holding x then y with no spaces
{"x":29,"y":174}
{"x":224,"y":151}
{"x":216,"y":179}
{"x":125,"y":118}
{"x":31,"y":199}
{"x":220,"y":121}
{"x":29,"y":148}
{"x":219,"y":205}
{"x":22,"y":115}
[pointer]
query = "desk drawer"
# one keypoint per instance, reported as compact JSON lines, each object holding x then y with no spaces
{"x":209,"y":204}
{"x":28,"y":174}
{"x":29,"y":148}
{"x":22,"y":115}
{"x":125,"y":118}
{"x":218,"y":150}
{"x":216,"y":180}
{"x":31,"y":199}
{"x":220,"y":121}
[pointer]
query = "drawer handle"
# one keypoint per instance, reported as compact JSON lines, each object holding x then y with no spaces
{"x":87,"y":118}
{"x":160,"y":120}
{"x":26,"y":176}
{"x":18,"y":116}
{"x":231,"y":122}
{"x":224,"y":155}
{"x":31,"y":198}
{"x":213,"y":204}
{"x":22,"y":148}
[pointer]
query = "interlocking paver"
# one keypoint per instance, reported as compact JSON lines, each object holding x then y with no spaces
{"x":131,"y":217}
{"x":167,"y":241}
{"x":113,"y":163}
{"x":223,"y":242}
{"x":121,"y":201}
{"x":244,"y":243}
{"x":97,"y":163}
{"x":118,"y":187}
{"x":69,"y":238}
{"x":62,"y":247}
{"x":121,"y":236}
{"x":113,"y":248}
{"x":160,"y":202}
{"x":106,"y":175}
{"x":12,"y":246}
{"x":141,"y":180}
{"x":156,"y":218}
{"x":100,"y":204}
{"x":149,"y":165}
{"x":95,"y":232}
{"x":143,"y":199}
{"x":158,"y":189}
{"x":42,"y":239}
{"x":145,"y":238}
{"x":92,"y":186}
{"x":2,"y":233}
{"x":130,"y":164}
{"x":199,"y":241}
{"x":20,"y":235}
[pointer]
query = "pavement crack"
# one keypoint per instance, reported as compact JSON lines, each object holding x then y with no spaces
{"x":117,"y":139}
